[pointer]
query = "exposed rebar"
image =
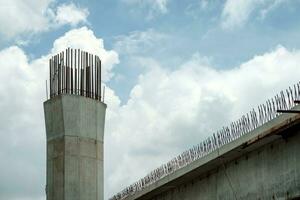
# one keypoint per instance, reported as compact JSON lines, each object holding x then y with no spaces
{"x":75,"y":72}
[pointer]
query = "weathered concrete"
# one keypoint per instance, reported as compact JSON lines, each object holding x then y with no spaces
{"x":75,"y":131}
{"x":263,"y":164}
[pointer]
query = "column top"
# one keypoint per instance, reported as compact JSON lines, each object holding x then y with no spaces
{"x":75,"y":72}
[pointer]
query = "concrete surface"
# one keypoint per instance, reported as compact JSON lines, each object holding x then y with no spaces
{"x":263,"y":164}
{"x":75,"y":132}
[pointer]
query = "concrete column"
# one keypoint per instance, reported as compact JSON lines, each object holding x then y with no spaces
{"x":75,"y":130}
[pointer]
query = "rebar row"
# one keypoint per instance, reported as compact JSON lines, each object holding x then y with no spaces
{"x":75,"y":72}
{"x":285,"y":100}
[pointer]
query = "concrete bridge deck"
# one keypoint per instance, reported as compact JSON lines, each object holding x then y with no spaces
{"x":262,"y":164}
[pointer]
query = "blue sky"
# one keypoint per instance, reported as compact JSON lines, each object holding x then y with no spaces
{"x":175,"y":72}
{"x":189,"y":27}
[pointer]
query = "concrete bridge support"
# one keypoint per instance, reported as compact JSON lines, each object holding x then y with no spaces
{"x":270,"y":172}
{"x":261,"y":165}
{"x":75,"y":130}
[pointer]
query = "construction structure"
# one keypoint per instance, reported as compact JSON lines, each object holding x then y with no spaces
{"x":255,"y":157}
{"x":74,"y":118}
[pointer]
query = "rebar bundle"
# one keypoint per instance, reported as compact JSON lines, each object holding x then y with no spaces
{"x":283,"y":101}
{"x":75,"y":72}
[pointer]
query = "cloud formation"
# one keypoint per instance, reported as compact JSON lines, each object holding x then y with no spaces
{"x":138,"y":42}
{"x":31,"y":16}
{"x":22,"y":144}
{"x":71,"y":14}
{"x":237,"y":12}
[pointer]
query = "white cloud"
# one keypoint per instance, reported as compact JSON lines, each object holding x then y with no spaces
{"x":169,"y":111}
{"x":21,"y":125}
{"x":270,"y":7}
{"x":71,"y":14}
{"x":196,"y":8}
{"x":154,"y":7}
{"x":237,"y":12}
{"x":24,"y":16}
{"x":31,"y":16}
{"x":138,"y":42}
{"x":22,"y":132}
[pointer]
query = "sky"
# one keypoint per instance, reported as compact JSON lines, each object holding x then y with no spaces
{"x":175,"y":71}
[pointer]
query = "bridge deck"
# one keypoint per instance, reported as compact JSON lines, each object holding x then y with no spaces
{"x":265,"y":134}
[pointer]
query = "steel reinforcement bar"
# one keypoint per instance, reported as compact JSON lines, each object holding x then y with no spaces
{"x":75,"y":72}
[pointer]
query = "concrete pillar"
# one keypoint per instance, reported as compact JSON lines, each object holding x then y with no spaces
{"x":75,"y":130}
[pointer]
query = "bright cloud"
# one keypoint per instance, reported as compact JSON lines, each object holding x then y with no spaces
{"x":138,"y":42}
{"x":237,"y":12}
{"x":270,"y":7}
{"x":71,"y":14}
{"x":19,"y":17}
{"x":21,"y":125}
{"x":22,"y":129}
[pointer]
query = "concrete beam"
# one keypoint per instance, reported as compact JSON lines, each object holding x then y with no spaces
{"x":203,"y":167}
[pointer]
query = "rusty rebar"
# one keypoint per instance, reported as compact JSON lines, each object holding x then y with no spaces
{"x":75,"y":72}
